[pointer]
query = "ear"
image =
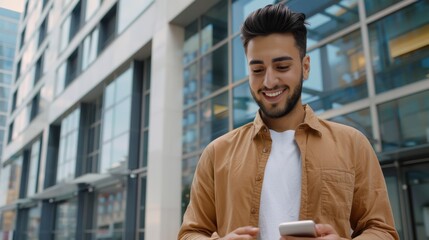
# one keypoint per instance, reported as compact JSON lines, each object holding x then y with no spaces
{"x":306,"y":67}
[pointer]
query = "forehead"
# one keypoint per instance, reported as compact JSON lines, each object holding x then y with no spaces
{"x":272,"y":46}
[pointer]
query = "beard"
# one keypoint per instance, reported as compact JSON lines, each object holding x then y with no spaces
{"x":277,"y":110}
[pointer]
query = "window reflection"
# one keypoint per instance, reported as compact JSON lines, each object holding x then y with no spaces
{"x":190,"y":130}
{"x":7,"y":224}
{"x":116,"y":122}
{"x":239,"y":63}
{"x":191,"y":44}
{"x":190,"y":88}
{"x":372,"y":6}
{"x":245,"y":107}
{"x":214,"y":118}
{"x":400,"y":47}
{"x":214,"y":69}
{"x":326,"y":17}
{"x":11,"y":181}
{"x":33,"y":172}
{"x":32,"y":229}
{"x":188,"y":169}
{"x":68,"y":147}
{"x":337,"y":75}
{"x":214,"y":26}
{"x":242,"y":8}
{"x":65,"y":220}
{"x":403,"y":122}
{"x":110,"y":213}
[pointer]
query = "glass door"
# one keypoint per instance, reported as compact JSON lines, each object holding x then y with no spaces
{"x":417,"y":180}
{"x":394,"y":190}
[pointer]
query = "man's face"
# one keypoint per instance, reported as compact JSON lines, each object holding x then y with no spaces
{"x":276,"y":73}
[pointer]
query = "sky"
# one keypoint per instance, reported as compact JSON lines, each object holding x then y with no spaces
{"x":15,"y":5}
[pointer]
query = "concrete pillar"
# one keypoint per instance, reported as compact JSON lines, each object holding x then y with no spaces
{"x":163,"y":196}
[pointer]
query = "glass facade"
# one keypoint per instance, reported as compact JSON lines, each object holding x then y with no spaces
{"x":409,"y":116}
{"x":400,"y":47}
{"x":68,"y":147}
{"x":116,"y":122}
{"x":65,"y":220}
{"x":344,"y":85}
{"x":87,"y":167}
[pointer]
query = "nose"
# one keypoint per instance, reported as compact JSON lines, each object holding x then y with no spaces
{"x":270,"y":79}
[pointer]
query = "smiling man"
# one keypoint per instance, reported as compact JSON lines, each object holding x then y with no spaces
{"x":288,"y":164}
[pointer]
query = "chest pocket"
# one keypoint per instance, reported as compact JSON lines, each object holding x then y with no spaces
{"x":337,"y":193}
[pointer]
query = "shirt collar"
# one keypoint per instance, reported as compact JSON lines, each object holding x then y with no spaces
{"x":311,"y":121}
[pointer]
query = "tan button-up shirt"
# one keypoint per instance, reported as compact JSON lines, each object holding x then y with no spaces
{"x":342,"y":182}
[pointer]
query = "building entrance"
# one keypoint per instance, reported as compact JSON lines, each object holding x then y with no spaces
{"x":417,"y":182}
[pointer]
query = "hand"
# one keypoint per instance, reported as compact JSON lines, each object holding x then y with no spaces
{"x":242,"y":233}
{"x":324,"y":231}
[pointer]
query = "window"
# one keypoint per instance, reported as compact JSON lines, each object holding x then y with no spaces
{"x":90,"y":46}
{"x":214,"y":26}
{"x":21,"y":43}
{"x":93,"y":132}
{"x":11,"y":181}
{"x":33,"y":171}
{"x":400,"y":55}
{"x":404,"y":121}
{"x":214,"y":67}
{"x":39,"y":69}
{"x":326,"y":17}
{"x":109,"y":214}
{"x":245,"y":107}
{"x":107,"y":29}
{"x":34,"y":105}
{"x":65,"y":33}
{"x":72,"y":68}
{"x":337,"y":75}
{"x":65,"y":220}
{"x":61,"y":78}
{"x":5,"y":78}
{"x":68,"y":147}
{"x":18,"y":70}
{"x":43,"y":31}
{"x":7,"y":223}
{"x":116,"y":122}
{"x":75,"y":21}
{"x":4,"y":93}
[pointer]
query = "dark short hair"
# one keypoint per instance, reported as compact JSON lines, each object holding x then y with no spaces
{"x":275,"y":18}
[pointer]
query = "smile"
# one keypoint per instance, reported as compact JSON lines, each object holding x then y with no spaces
{"x":273,"y":94}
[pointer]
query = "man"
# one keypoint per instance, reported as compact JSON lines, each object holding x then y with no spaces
{"x":287,"y":164}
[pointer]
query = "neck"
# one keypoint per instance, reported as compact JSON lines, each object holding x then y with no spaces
{"x":288,"y":122}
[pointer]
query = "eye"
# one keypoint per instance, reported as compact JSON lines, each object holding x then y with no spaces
{"x":257,"y":70}
{"x":283,"y":67}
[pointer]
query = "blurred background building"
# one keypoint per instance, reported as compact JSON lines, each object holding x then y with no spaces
{"x":9,"y":21}
{"x":113,"y":101}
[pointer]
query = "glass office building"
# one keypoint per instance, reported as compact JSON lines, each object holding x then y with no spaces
{"x":9,"y":21}
{"x":113,"y":102}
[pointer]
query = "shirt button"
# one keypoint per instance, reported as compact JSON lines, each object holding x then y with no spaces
{"x":265,"y":130}
{"x":264,"y":150}
{"x":253,"y":210}
{"x":259,"y":178}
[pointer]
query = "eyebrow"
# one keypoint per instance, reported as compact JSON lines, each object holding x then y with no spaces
{"x":277,"y":59}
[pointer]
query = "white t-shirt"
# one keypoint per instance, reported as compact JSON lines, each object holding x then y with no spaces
{"x":281,"y":188}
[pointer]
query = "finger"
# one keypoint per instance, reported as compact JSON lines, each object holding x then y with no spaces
{"x":324,"y":229}
{"x":252,"y":231}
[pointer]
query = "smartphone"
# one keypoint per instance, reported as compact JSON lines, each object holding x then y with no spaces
{"x":305,"y":228}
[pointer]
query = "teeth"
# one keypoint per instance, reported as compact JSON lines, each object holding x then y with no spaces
{"x":274,"y":94}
